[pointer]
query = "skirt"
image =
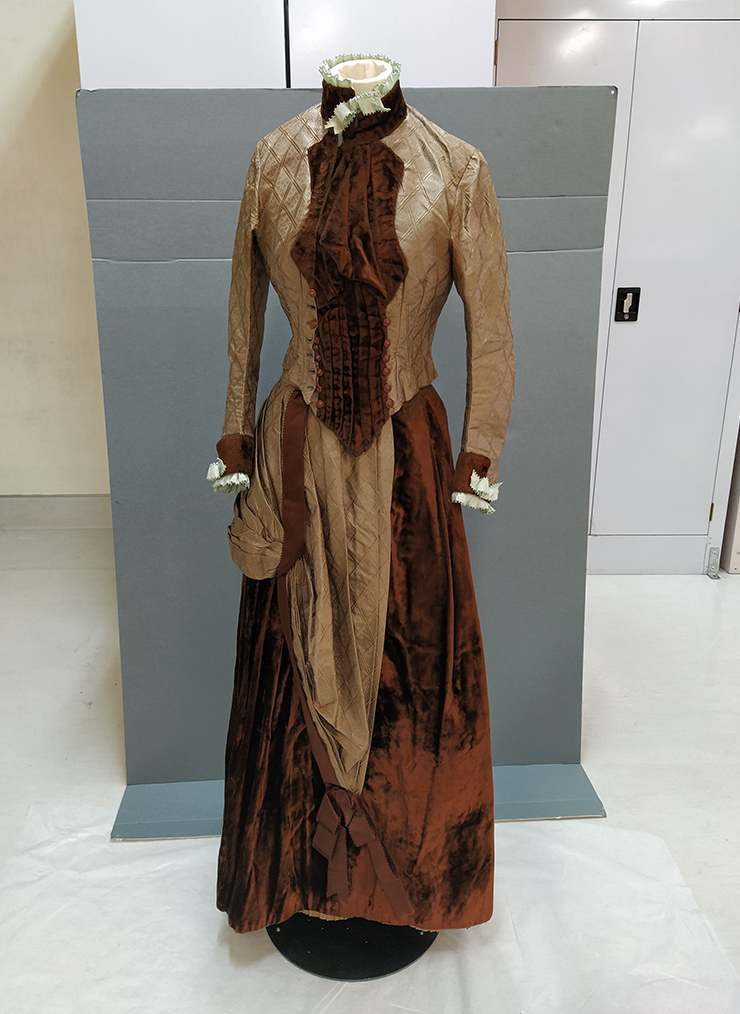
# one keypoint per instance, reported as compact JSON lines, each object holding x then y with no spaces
{"x":428,"y":787}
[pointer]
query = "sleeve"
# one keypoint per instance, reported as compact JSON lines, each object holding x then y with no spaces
{"x":480,"y":273}
{"x":247,"y":301}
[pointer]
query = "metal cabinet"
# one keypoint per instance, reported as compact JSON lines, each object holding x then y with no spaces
{"x":668,"y":397}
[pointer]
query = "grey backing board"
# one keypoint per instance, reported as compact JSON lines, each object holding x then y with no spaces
{"x":164,"y":172}
{"x":195,"y":809}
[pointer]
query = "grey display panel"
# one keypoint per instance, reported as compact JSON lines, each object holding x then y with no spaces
{"x":164,"y":172}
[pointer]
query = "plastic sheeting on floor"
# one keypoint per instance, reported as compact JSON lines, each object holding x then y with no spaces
{"x":589,"y":920}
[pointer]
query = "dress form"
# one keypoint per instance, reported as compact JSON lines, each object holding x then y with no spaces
{"x":364,"y":74}
{"x":350,"y":949}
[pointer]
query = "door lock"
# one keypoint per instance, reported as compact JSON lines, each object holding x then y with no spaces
{"x":628,"y":302}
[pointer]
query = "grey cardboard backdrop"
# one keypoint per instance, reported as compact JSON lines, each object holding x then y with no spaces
{"x":164,"y":172}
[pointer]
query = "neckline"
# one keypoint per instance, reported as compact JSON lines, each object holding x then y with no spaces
{"x":342,"y":109}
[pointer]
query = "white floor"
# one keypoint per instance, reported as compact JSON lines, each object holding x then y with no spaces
{"x":589,"y":919}
{"x":661,"y":709}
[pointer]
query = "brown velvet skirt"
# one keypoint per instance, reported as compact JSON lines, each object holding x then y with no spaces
{"x":429,"y":788}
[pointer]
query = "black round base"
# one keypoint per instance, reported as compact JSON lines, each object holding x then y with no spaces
{"x":351,"y":949}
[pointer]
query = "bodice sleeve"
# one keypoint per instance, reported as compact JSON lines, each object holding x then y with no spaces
{"x":480,"y":273}
{"x":247,"y":301}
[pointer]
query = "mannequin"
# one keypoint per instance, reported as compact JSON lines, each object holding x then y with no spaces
{"x":364,"y":74}
{"x":353,"y":949}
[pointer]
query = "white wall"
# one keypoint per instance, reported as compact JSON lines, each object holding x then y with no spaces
{"x":181,"y":43}
{"x":621,"y":10}
{"x":443,"y":44}
{"x":238,"y":44}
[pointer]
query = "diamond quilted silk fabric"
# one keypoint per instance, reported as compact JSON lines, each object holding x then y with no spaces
{"x":358,"y":766}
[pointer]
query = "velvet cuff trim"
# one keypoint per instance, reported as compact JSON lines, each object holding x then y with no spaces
{"x":467,"y":463}
{"x":237,"y":453}
{"x":470,"y":483}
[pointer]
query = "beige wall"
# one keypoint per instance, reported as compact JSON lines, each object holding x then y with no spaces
{"x":52,"y":432}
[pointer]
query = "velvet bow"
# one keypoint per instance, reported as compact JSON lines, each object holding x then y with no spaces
{"x":341,"y":813}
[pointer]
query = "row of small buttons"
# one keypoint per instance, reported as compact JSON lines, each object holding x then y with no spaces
{"x":387,"y":369}
{"x":315,"y":339}
{"x":319,"y":371}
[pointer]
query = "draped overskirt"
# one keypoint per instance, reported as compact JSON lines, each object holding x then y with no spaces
{"x":428,"y":787}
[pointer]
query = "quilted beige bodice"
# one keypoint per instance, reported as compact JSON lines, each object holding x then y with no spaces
{"x":449,"y":228}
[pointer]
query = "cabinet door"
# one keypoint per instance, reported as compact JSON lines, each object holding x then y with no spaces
{"x":580,"y":53}
{"x":667,"y":373}
{"x":672,"y":224}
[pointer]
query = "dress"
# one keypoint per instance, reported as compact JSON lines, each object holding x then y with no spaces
{"x":358,"y":767}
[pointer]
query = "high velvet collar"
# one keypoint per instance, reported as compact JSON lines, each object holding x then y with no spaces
{"x":365,"y":127}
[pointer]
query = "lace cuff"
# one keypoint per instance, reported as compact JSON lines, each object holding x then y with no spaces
{"x":234,"y":482}
{"x":483,"y":493}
